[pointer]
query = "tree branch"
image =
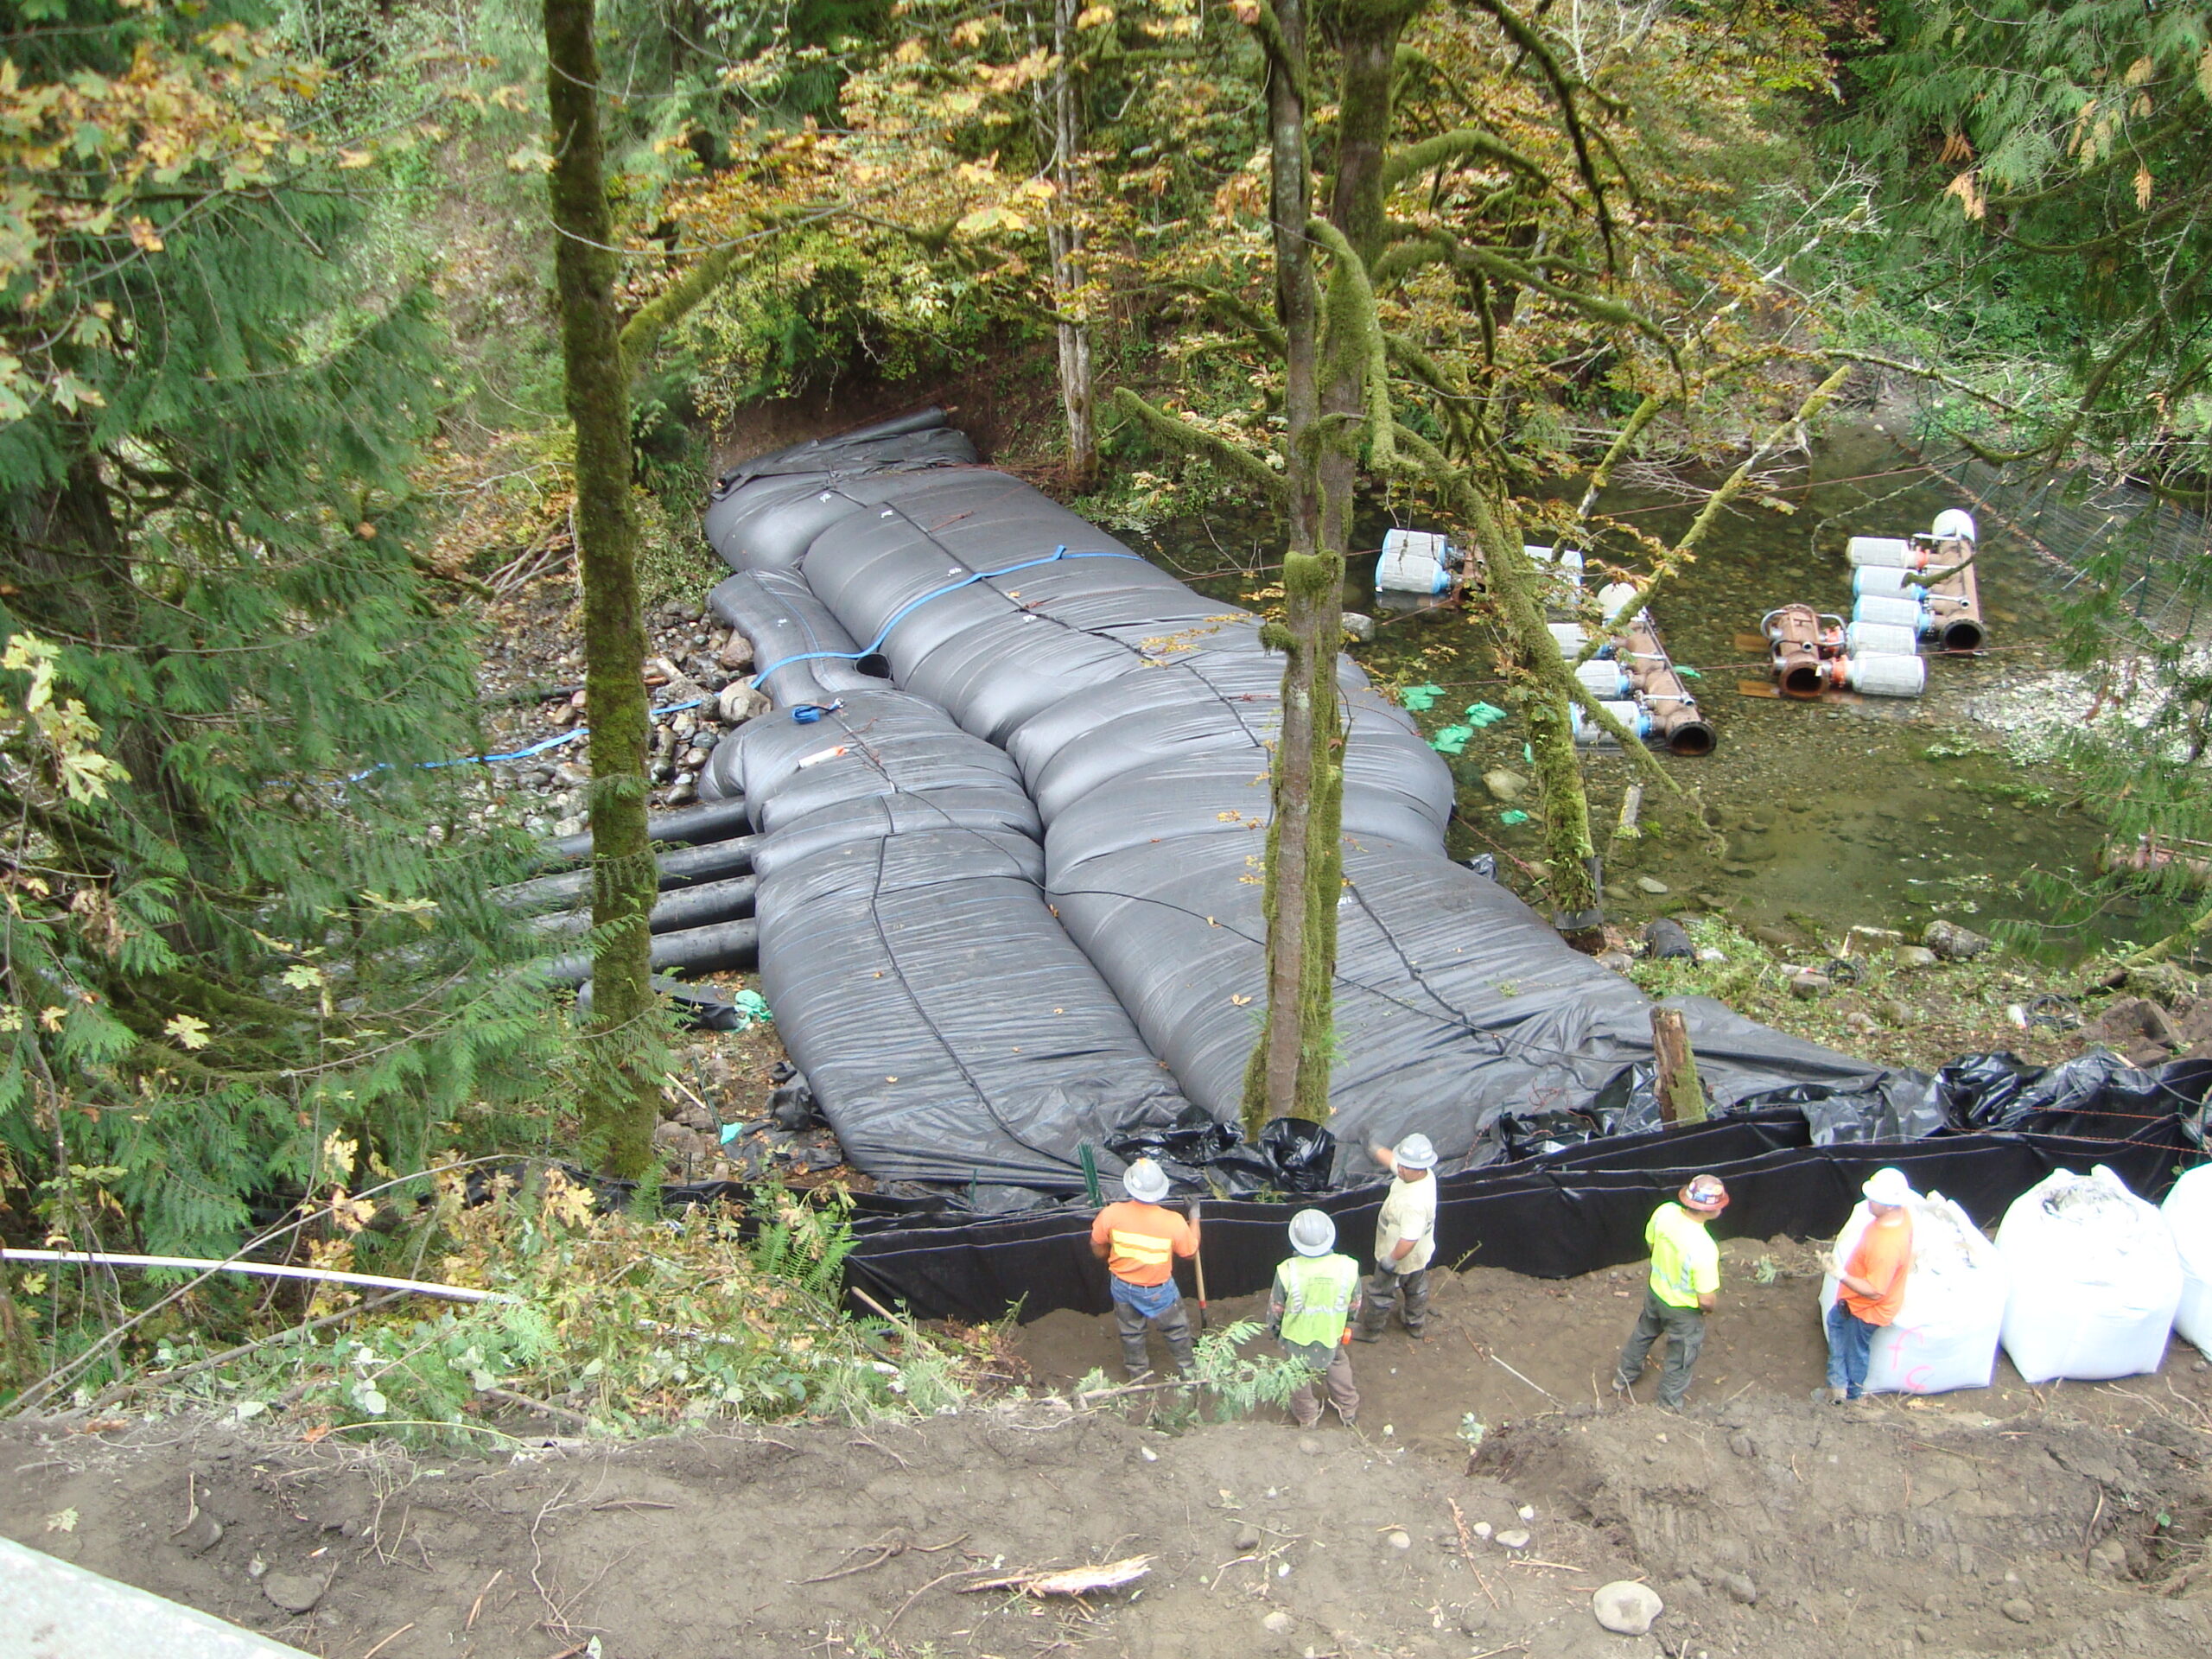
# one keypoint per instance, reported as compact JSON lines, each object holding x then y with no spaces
{"x":1180,"y":435}
{"x":1452,"y":146}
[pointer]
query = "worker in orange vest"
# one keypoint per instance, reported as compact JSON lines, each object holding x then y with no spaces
{"x":1139,"y":1239}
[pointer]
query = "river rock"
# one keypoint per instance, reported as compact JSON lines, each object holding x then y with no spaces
{"x":296,"y":1592}
{"x":1517,"y":1538}
{"x":1953,"y":943}
{"x":1912,"y":957}
{"x":1808,"y":986}
{"x":736,"y":652}
{"x":1248,"y":1537}
{"x":2019,"y":1609}
{"x":1504,"y":786}
{"x":740,"y":702}
{"x":1626,"y":1608}
{"x":1358,"y":627}
{"x":1653,"y":884}
{"x":2109,"y":1558}
{"x":1278,"y":1622}
{"x":1738,"y":1586}
{"x":1398,"y":1538}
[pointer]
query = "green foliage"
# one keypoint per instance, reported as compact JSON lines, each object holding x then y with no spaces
{"x":620,"y":1323}
{"x":256,"y":934}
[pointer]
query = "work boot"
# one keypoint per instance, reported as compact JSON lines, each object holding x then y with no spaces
{"x":1418,"y":1332}
{"x":1825,"y":1395}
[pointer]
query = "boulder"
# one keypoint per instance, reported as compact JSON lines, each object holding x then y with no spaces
{"x":739,"y":703}
{"x":1626,"y":1608}
{"x":736,"y":654}
{"x":1504,"y":786}
{"x":1953,"y":943}
{"x":1358,"y":627}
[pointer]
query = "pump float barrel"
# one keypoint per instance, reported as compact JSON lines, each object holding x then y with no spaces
{"x":1800,"y":637}
{"x":1606,"y":680}
{"x":1879,"y":638}
{"x":1886,"y":551}
{"x":1632,"y":714}
{"x":1416,"y":561}
{"x":1882,"y":675}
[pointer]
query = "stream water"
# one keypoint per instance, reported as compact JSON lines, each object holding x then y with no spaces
{"x":1881,"y":812}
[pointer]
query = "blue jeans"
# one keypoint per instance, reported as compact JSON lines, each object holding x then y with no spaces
{"x":1850,"y":1341}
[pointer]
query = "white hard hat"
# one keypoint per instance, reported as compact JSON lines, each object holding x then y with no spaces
{"x":1312,"y":1233}
{"x":1145,"y":1181}
{"x":1888,"y":1187}
{"x":1415,"y":1153}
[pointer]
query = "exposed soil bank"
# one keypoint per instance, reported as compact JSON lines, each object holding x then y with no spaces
{"x":1988,"y":1523}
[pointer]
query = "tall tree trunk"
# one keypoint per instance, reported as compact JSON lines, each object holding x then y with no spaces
{"x":621,"y":1092}
{"x":1063,"y":237}
{"x":1278,"y":1080}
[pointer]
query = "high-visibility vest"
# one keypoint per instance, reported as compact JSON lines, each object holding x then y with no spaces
{"x":1318,"y":1292}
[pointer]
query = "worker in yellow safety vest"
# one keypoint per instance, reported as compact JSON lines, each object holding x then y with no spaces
{"x":1685,"y":1282}
{"x":1309,"y":1312}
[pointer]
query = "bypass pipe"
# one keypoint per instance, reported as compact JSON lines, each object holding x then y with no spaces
{"x":687,"y":866}
{"x":709,"y":902}
{"x":715,"y":820}
{"x":696,"y":950}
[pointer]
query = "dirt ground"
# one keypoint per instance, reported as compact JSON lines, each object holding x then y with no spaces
{"x":2068,"y":1521}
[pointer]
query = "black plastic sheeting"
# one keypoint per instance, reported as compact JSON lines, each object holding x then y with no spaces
{"x":949,"y":1030}
{"x":1106,"y":708}
{"x":1553,"y":1218}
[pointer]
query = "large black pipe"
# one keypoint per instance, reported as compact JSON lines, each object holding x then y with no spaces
{"x":685,"y":867}
{"x":712,"y":820}
{"x":696,"y":950}
{"x":709,"y":902}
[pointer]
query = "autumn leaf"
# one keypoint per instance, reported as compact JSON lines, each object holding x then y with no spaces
{"x":303,"y":977}
{"x":190,"y":1032}
{"x":1969,"y":192}
{"x":2143,"y":187}
{"x":353,"y":158}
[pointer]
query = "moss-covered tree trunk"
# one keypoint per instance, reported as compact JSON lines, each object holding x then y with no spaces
{"x":621,"y":1090}
{"x":1280,"y":1079}
{"x":1324,"y":396}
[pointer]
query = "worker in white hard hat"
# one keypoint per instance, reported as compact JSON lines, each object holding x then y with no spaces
{"x":1405,"y":1240}
{"x":1870,"y":1287}
{"x":1685,"y":1282}
{"x":1139,"y":1240}
{"x":1309,"y":1312}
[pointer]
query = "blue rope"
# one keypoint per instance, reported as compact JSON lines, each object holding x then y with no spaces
{"x":537,"y":748}
{"x":911,"y":605}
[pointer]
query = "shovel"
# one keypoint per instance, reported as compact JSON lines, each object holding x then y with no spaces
{"x":1198,"y":1263}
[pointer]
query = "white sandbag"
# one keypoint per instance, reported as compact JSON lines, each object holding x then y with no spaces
{"x":2188,"y":1210}
{"x":2096,"y":1278}
{"x":1945,"y":1334}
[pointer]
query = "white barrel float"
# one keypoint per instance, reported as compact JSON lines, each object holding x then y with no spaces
{"x":1886,"y":675}
{"x":1630,"y":714}
{"x":1614,"y":599}
{"x":1880,"y":640}
{"x":1881,"y":579}
{"x":1946,"y":1330}
{"x":1570,"y":638}
{"x":1956,"y":523}
{"x":1415,"y":562}
{"x":2096,"y":1278}
{"x":1884,"y":551}
{"x":1565,"y":563}
{"x":1606,"y":680}
{"x":1893,"y":611}
{"x":2188,"y":1210}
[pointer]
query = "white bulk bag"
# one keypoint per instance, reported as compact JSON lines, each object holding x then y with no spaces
{"x":2096,"y":1278}
{"x":1945,"y":1334}
{"x":2188,"y":1210}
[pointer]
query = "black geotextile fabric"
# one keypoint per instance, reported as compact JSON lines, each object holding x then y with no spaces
{"x":1137,"y":714}
{"x":1551,"y":1217}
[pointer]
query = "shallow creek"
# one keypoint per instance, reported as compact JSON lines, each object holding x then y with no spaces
{"x":1881,"y":812}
